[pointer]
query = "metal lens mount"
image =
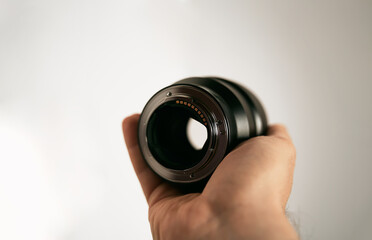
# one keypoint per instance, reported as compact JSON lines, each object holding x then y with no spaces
{"x":229,"y":112}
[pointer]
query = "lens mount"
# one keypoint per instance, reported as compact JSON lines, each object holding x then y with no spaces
{"x":229,"y":112}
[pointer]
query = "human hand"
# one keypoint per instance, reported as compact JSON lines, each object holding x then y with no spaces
{"x":245,"y":198}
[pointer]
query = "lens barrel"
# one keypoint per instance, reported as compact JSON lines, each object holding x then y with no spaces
{"x":229,"y":112}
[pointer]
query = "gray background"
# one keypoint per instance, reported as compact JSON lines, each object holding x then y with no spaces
{"x":70,"y":71}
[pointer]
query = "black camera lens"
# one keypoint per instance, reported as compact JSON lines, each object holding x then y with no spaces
{"x":227,"y":112}
{"x":167,"y":137}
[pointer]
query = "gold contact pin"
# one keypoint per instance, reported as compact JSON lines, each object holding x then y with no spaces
{"x":195,"y":108}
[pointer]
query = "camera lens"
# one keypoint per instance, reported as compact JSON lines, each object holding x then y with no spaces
{"x":167,"y":136}
{"x":227,"y":112}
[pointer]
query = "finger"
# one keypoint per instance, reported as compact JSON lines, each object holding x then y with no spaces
{"x":153,"y":186}
{"x":279,"y":130}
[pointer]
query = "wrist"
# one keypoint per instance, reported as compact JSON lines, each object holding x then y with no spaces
{"x":258,"y":221}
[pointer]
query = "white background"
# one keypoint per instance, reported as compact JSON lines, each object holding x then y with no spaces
{"x":71,"y":70}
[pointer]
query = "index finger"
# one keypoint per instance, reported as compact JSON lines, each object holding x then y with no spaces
{"x":280,"y":131}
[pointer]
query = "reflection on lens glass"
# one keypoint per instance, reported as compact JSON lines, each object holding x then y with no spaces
{"x":196,"y":133}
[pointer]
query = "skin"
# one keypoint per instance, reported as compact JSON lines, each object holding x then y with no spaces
{"x":244,"y":199}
